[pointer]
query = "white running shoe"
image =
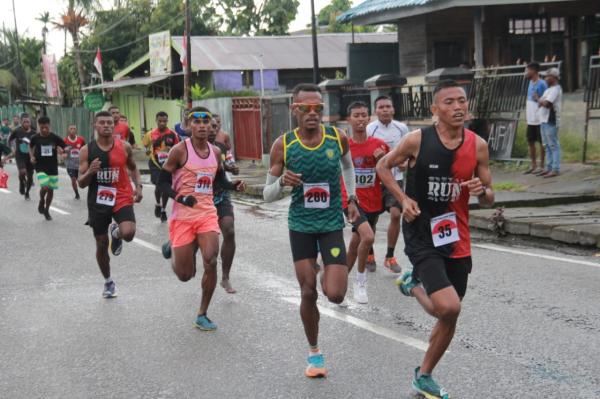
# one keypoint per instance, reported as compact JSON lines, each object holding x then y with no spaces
{"x":360,"y":293}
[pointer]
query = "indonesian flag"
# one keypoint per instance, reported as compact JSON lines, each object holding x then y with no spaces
{"x":98,"y":62}
{"x":183,"y":57}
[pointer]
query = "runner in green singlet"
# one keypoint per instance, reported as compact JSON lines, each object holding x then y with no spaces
{"x":308,"y":160}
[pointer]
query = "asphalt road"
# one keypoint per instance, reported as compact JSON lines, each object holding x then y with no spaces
{"x":530,"y":326}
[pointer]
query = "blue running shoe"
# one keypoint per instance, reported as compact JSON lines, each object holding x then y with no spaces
{"x":204,"y":323}
{"x":406,"y":283}
{"x":316,"y":367}
{"x":166,"y":250}
{"x":426,"y":386}
{"x":110,"y":290}
{"x":116,"y":244}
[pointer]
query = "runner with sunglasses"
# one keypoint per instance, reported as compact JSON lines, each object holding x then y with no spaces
{"x":188,"y":175}
{"x":308,"y":160}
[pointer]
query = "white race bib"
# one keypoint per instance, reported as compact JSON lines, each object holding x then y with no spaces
{"x":444,"y":229}
{"x":162,"y":157}
{"x":46,"y":150}
{"x":74,"y":153}
{"x":365,"y":177}
{"x":204,"y":183}
{"x":106,"y":195}
{"x":316,"y":195}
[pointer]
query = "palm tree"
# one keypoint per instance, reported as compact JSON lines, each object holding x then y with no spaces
{"x":72,"y":21}
{"x":44,"y":17}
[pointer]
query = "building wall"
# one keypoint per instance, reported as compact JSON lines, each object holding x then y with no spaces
{"x":412,"y":46}
{"x":154,"y":105}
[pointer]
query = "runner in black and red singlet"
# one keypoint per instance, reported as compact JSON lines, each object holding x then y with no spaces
{"x":103,"y":167}
{"x":447,"y":165}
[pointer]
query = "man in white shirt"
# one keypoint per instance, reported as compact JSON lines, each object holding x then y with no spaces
{"x":535,"y":90}
{"x":391,"y":132}
{"x":549,"y":114}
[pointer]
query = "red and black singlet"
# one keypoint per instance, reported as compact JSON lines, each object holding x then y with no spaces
{"x":435,"y":183}
{"x":110,"y":190}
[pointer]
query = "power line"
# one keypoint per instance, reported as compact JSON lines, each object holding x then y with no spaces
{"x":129,"y":43}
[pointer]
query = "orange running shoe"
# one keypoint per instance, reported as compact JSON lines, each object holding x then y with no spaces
{"x":392,"y":265}
{"x":371,"y":265}
{"x":316,"y":367}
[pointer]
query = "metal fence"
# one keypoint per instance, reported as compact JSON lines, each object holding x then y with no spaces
{"x":62,"y":117}
{"x":591,"y":98}
{"x":8,"y":111}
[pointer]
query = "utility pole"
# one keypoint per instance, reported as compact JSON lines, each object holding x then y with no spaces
{"x":314,"y":43}
{"x":20,"y":69}
{"x":188,"y":57}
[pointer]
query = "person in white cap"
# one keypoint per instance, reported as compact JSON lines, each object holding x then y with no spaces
{"x":549,"y":116}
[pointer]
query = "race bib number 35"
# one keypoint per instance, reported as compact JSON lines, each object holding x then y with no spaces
{"x":444,"y":229}
{"x":204,"y":183}
{"x":365,"y":177}
{"x":106,"y":195}
{"x":316,"y":195}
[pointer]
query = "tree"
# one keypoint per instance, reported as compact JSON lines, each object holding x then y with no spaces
{"x":328,"y":17}
{"x":72,"y":21}
{"x":245,"y":17}
{"x":44,"y":18}
{"x":29,"y":73}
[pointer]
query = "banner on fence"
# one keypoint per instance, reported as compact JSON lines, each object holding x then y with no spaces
{"x":160,"y":53}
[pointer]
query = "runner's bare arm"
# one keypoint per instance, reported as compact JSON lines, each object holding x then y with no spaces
{"x":481,"y":185}
{"x":135,"y":173}
{"x":86,"y":170}
{"x":224,"y":138}
{"x":406,"y":150}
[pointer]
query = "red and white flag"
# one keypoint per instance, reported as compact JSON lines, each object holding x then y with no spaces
{"x":183,"y":57}
{"x":98,"y":62}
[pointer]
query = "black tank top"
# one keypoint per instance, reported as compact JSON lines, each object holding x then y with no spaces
{"x":435,"y":183}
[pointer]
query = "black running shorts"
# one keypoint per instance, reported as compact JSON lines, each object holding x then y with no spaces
{"x":224,"y":208}
{"x":437,"y":272}
{"x":389,"y":201}
{"x":99,"y":222}
{"x":73,"y":173}
{"x":308,"y":245}
{"x":370,"y":217}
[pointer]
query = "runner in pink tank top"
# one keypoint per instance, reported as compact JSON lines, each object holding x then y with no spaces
{"x":188,"y":175}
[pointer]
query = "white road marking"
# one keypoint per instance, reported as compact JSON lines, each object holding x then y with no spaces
{"x":536,"y":255}
{"x":5,"y":191}
{"x":57,"y":210}
{"x":365,"y":325}
{"x":148,"y":245}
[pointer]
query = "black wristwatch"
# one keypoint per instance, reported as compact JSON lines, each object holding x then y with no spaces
{"x":352,"y":198}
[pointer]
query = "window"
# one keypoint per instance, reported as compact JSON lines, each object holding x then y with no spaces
{"x":557,"y":24}
{"x":528,"y":26}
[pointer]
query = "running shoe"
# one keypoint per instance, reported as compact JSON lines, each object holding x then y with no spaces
{"x":27,"y":196}
{"x":371,"y":265}
{"x":426,"y":386}
{"x":157,"y":209}
{"x":47,"y":215}
{"x":41,"y":207}
{"x":204,"y":323}
{"x":21,"y":187}
{"x":392,"y":265}
{"x":163,"y":216}
{"x":77,"y":196}
{"x":360,"y":293}
{"x":316,"y":367}
{"x":110,"y":290}
{"x":166,"y":250}
{"x":406,"y":283}
{"x":116,"y":244}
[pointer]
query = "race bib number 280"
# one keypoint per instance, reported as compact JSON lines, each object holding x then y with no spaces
{"x":444,"y":229}
{"x":316,"y":195}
